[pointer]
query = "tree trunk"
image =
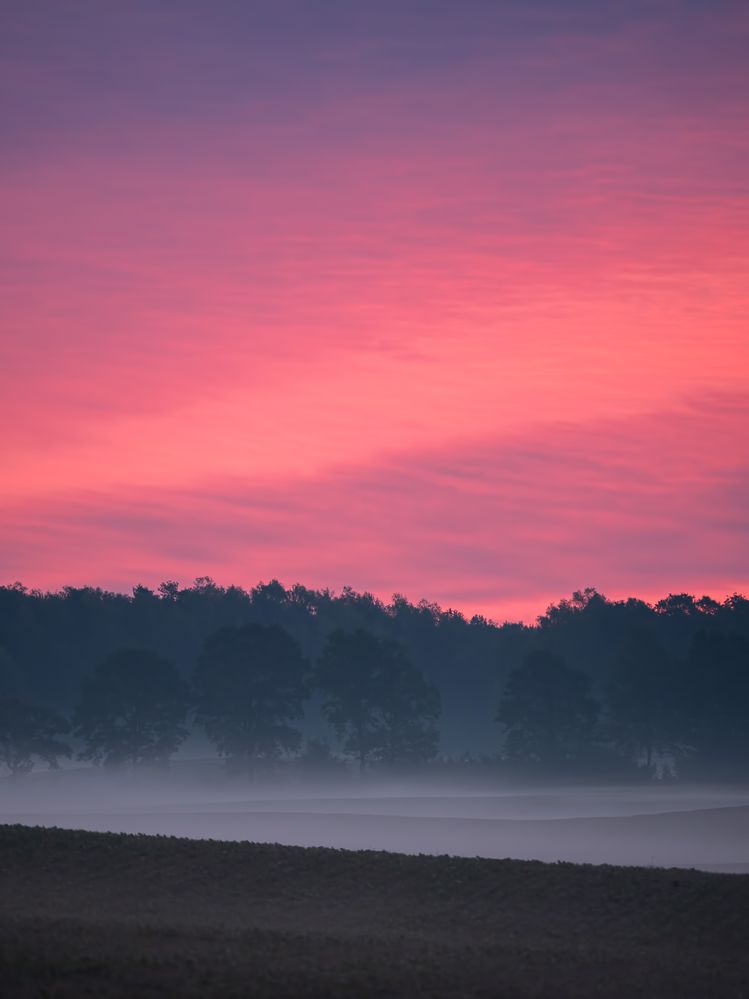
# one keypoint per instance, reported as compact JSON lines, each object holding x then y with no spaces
{"x":362,"y":753}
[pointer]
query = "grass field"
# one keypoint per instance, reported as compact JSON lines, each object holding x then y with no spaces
{"x":101,"y":914}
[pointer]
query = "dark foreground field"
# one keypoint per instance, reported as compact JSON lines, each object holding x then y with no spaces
{"x":100,"y":914}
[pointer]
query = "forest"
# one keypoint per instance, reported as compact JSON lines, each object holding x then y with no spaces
{"x":277,"y":676}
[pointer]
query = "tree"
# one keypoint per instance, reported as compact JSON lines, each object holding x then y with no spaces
{"x":132,"y":710}
{"x":408,"y":709}
{"x":8,"y":674}
{"x":379,"y":705}
{"x":677,"y":605}
{"x":715,"y":691}
{"x":317,"y":758}
{"x":642,"y":696}
{"x":548,"y":712}
{"x":249,"y":684}
{"x":169,"y":590}
{"x":53,"y":640}
{"x":29,"y":731}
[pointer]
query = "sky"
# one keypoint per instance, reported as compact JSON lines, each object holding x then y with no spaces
{"x":448,"y":299}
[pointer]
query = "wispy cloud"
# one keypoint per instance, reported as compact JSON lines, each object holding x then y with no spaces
{"x":645,"y":505}
{"x":385,"y":293}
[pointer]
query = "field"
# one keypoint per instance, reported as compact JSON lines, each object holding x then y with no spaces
{"x":102,"y":914}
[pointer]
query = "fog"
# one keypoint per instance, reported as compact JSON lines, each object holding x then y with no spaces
{"x":653,"y":825}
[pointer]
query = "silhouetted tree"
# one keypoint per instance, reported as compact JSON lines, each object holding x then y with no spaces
{"x":249,"y":684}
{"x":678,"y":605}
{"x":8,"y":675}
{"x":132,"y":710}
{"x":715,"y":695}
{"x":317,"y":758}
{"x":29,"y":731}
{"x":53,"y":640}
{"x":380,"y":706}
{"x":169,"y":590}
{"x":548,"y":712}
{"x":643,"y":701}
{"x":409,"y":708}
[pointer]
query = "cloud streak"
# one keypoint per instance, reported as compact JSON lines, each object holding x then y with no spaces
{"x":348,"y":292}
{"x":649,"y":506}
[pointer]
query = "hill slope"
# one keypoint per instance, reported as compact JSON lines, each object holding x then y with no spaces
{"x":118,"y":915}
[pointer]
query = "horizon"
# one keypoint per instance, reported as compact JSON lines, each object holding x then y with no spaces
{"x":530,"y":619}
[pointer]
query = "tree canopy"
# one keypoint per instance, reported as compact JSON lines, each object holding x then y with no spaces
{"x":249,"y":684}
{"x":132,"y":709}
{"x":681,"y":699}
{"x":548,"y":712}
{"x":643,"y":698}
{"x":379,"y":705}
{"x":714,"y":697}
{"x":30,"y":732}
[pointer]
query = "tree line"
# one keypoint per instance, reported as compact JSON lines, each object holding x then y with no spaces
{"x":250,"y":684}
{"x":248,"y":687}
{"x":655,"y":713}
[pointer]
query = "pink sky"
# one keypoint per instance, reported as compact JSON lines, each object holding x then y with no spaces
{"x":451,"y":302}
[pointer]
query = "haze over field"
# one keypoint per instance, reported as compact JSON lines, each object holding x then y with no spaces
{"x":691,"y":826}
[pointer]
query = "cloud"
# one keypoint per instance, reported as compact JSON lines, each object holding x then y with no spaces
{"x":406,"y":295}
{"x":641,"y":506}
